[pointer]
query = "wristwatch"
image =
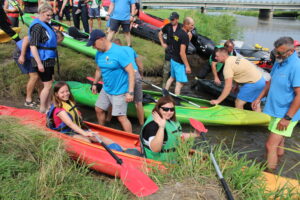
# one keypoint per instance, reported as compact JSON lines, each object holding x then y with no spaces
{"x":287,"y":117}
{"x":131,"y":93}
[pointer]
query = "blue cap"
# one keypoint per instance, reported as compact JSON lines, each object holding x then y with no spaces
{"x":95,"y":35}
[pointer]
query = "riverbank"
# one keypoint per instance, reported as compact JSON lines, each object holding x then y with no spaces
{"x":33,"y":162}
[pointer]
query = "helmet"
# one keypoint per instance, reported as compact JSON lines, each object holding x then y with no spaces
{"x":296,"y":43}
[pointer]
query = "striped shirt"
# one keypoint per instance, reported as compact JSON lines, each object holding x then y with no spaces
{"x":39,"y":35}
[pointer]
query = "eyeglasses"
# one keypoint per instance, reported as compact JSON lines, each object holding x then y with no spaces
{"x":166,"y":109}
{"x":281,"y":53}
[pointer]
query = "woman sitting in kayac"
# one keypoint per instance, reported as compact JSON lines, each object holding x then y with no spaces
{"x":161,"y":133}
{"x":64,"y":117}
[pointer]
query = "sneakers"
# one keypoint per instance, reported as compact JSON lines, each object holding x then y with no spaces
{"x":31,"y":104}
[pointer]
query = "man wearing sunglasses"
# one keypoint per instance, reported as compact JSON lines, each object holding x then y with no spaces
{"x":283,"y":98}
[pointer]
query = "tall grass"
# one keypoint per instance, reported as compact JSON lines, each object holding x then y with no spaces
{"x":34,"y":166}
{"x":217,"y":28}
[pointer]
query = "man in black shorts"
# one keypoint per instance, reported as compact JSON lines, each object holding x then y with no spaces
{"x":165,"y":37}
{"x":119,"y":15}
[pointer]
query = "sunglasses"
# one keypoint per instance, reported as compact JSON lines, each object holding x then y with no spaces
{"x":281,"y":53}
{"x":166,"y":109}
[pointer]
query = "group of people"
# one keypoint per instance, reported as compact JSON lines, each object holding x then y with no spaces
{"x":121,"y":71}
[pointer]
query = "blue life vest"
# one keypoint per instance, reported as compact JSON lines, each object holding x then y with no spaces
{"x":48,"y":49}
{"x":19,"y":45}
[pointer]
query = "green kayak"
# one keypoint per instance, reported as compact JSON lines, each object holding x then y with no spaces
{"x":69,"y":41}
{"x":209,"y":114}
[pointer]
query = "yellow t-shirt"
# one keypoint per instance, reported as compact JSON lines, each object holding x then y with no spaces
{"x":241,"y":70}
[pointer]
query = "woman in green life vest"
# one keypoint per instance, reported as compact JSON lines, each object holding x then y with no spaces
{"x":162,"y":133}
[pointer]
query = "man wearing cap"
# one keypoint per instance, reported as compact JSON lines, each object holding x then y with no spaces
{"x":179,"y":62}
{"x":283,"y":99}
{"x":118,"y":77}
{"x":120,"y":13}
{"x":165,"y":36}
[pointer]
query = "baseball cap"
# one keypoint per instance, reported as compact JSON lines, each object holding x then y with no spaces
{"x":174,"y":15}
{"x":95,"y":35}
{"x":296,"y":43}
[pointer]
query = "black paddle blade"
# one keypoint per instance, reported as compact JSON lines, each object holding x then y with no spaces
{"x":165,"y":92}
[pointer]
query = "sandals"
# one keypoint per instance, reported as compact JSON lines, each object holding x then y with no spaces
{"x":31,"y":104}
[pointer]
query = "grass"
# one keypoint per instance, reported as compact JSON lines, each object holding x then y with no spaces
{"x":34,"y":166}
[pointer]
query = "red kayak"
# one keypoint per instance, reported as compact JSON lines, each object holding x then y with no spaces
{"x":89,"y":153}
{"x":104,"y":163}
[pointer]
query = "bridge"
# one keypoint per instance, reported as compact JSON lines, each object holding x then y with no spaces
{"x":265,"y":7}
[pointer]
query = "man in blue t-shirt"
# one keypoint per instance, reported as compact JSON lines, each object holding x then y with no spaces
{"x":138,"y":89}
{"x":283,"y":100}
{"x":118,"y":79}
{"x":120,"y":13}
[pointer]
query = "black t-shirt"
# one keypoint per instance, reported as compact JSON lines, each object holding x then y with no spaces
{"x":168,"y":32}
{"x":180,"y":37}
{"x":150,"y":130}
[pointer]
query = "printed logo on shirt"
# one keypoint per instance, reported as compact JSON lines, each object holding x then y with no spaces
{"x":176,"y":38}
{"x":237,"y":61}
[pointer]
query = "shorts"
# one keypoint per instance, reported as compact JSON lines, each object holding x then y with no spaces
{"x":114,"y":25}
{"x":273,"y":127}
{"x":178,"y":72}
{"x":94,"y":12}
{"x":25,"y":68}
{"x":47,"y":74}
{"x":250,"y":91}
{"x":118,"y":103}
{"x":138,"y":89}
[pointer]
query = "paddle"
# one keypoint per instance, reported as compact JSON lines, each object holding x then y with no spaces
{"x":198,"y":126}
{"x":136,"y":181}
{"x":15,"y":3}
{"x":174,"y":95}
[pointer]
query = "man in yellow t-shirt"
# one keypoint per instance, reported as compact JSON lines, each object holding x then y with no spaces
{"x":242,"y":72}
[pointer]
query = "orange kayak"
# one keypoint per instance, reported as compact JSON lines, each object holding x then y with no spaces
{"x":104,"y":163}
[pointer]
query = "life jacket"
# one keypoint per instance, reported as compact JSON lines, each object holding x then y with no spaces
{"x":73,"y":113}
{"x":48,"y":49}
{"x":168,"y":151}
{"x":12,"y":4}
{"x":19,"y":45}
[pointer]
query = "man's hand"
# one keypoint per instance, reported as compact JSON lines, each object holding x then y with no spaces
{"x":217,"y":81}
{"x":283,"y":124}
{"x":94,"y":89}
{"x":214,"y":102}
{"x":129,"y":97}
{"x":255,"y":103}
{"x":107,"y":17}
{"x":188,"y":70}
{"x":164,"y":45}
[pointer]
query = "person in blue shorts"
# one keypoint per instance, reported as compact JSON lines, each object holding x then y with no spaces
{"x":179,"y":62}
{"x":283,"y":99}
{"x":120,"y":13}
{"x":94,"y":13}
{"x":22,"y":58}
{"x":138,"y":89}
{"x":118,"y":79}
{"x":242,"y":72}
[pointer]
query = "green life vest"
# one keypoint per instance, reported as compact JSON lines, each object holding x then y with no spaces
{"x":219,"y":65}
{"x":174,"y":131}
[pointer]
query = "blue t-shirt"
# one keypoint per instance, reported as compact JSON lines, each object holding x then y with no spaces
{"x":285,"y":76}
{"x":132,"y":55}
{"x":112,"y":64}
{"x":122,"y":9}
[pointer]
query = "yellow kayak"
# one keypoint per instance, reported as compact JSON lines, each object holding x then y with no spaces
{"x":5,"y":38}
